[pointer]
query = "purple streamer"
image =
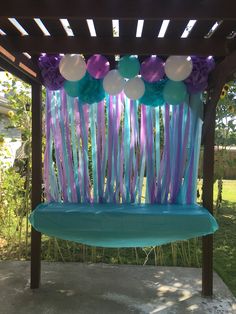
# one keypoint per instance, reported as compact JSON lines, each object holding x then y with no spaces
{"x":99,"y":150}
{"x":177,"y":178}
{"x":47,"y":150}
{"x":110,"y":149}
{"x":68,"y":147}
{"x":59,"y":152}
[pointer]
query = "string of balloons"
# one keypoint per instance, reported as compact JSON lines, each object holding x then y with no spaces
{"x":152,"y":82}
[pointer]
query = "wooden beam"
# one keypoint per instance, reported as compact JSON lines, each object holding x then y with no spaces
{"x":122,"y":9}
{"x":36,"y":180}
{"x":18,"y":64}
{"x":9,"y":67}
{"x":111,"y":46}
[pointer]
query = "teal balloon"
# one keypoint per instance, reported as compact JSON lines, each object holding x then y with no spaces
{"x":174,"y":92}
{"x":72,"y":88}
{"x":128,"y":66}
{"x":153,"y":95}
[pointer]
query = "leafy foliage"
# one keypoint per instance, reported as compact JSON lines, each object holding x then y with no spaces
{"x":226,"y":118}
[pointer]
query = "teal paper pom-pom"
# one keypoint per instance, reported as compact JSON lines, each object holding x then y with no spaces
{"x":153,"y":95}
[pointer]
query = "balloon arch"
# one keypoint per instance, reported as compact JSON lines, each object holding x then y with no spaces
{"x":153,"y":82}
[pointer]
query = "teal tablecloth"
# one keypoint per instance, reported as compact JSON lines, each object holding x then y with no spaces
{"x":122,"y":225}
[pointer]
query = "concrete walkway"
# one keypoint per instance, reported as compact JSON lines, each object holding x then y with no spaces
{"x":74,"y":288}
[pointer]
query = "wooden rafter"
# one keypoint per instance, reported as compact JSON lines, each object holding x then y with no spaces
{"x":111,"y":46}
{"x":18,"y":64}
{"x":131,"y":9}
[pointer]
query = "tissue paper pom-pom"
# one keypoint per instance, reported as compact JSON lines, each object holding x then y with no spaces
{"x":72,"y":88}
{"x":153,"y":95}
{"x":47,"y":61}
{"x":52,"y":79}
{"x":197,"y":81}
{"x":49,"y":66}
{"x":90,"y":90}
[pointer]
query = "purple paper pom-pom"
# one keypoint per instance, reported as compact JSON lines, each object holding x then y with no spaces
{"x":197,"y":81}
{"x":49,"y":66}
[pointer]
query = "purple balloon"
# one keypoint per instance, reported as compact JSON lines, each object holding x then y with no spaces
{"x":98,"y":66}
{"x":152,"y":69}
{"x":198,"y":79}
{"x":49,"y":66}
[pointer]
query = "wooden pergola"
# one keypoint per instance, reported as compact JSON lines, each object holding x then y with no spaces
{"x":213,"y":33}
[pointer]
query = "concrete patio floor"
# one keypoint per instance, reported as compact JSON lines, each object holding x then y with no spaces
{"x":73,"y":288}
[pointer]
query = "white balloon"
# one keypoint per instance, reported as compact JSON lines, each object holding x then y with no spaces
{"x":72,"y":67}
{"x":113,"y":82}
{"x":134,"y":88}
{"x":178,"y":68}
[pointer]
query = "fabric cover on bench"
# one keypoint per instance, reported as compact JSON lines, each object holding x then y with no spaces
{"x":123,"y":225}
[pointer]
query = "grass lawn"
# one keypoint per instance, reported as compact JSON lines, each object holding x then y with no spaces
{"x":225,"y":237}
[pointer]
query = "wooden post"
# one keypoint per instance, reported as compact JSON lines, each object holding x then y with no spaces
{"x":208,"y":177}
{"x":36,"y":180}
{"x":208,"y":180}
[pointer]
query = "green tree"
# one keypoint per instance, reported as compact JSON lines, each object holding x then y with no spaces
{"x":225,"y":135}
{"x":15,"y":181}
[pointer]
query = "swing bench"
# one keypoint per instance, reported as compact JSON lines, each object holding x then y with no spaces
{"x":98,"y":200}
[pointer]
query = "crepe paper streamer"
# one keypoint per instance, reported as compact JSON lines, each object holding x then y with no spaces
{"x":111,"y":151}
{"x":123,"y":225}
{"x":93,"y":110}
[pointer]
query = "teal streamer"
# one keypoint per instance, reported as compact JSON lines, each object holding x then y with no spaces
{"x":70,"y":107}
{"x":142,"y":152}
{"x":80,"y":160}
{"x":127,"y":149}
{"x":66,"y":165}
{"x":157,"y":139}
{"x":196,"y":108}
{"x":85,"y":153}
{"x":114,"y":147}
{"x":93,"y":114}
{"x":53,"y":186}
{"x":181,"y":197}
{"x":55,"y":139}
